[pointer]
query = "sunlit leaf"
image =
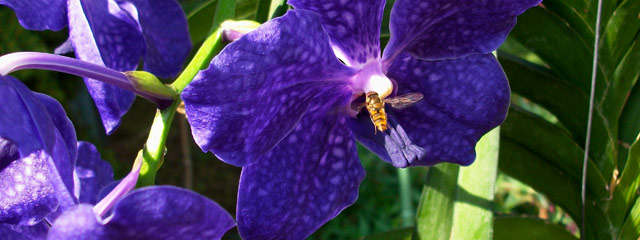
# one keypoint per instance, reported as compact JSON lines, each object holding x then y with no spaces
{"x":456,"y":201}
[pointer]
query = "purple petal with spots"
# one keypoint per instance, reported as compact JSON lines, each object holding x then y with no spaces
{"x":463,"y":99}
{"x":257,"y":89}
{"x":158,"y":212}
{"x":352,"y":25}
{"x":445,"y":29}
{"x":27,"y":194}
{"x":104,"y":34}
{"x":39,"y":178}
{"x":39,"y":14}
{"x":305,"y":181}
{"x":166,"y":34}
{"x":17,"y":232}
{"x":63,"y":156}
{"x":93,"y":173}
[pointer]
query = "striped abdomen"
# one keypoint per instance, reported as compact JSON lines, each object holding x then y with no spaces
{"x":375,"y":106}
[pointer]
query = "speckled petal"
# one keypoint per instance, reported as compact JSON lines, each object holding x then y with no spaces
{"x":26,"y":192}
{"x":463,"y":99}
{"x":353,"y":26}
{"x":257,"y":89}
{"x":63,"y":155}
{"x":166,"y":34}
{"x":104,"y":34}
{"x":158,"y":212}
{"x":445,"y":29}
{"x":17,"y":232}
{"x":305,"y":181}
{"x":36,"y":173}
{"x":39,"y":14}
{"x":93,"y":173}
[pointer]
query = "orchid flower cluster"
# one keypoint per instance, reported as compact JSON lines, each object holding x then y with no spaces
{"x":277,"y":102}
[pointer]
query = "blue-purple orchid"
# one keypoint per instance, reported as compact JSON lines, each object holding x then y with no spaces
{"x":277,"y":101}
{"x":47,"y":176}
{"x":115,"y":34}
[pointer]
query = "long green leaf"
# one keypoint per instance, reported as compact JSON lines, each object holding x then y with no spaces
{"x":566,"y":101}
{"x":556,"y":43}
{"x":200,"y":21}
{"x":456,"y":202}
{"x":527,"y":228}
{"x":627,"y":189}
{"x":529,"y":168}
{"x":555,"y":148}
{"x":631,"y":228}
{"x":621,"y":30}
{"x":628,"y":72}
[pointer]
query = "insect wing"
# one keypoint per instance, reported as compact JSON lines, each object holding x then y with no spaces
{"x":356,"y":107}
{"x":404,"y":101}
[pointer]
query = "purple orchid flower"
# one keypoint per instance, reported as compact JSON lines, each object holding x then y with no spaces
{"x":115,"y":34}
{"x":278,"y":101}
{"x":37,"y":154}
{"x":157,"y":212}
{"x":47,"y":176}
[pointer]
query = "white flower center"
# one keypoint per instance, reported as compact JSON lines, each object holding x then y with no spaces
{"x":371,"y":78}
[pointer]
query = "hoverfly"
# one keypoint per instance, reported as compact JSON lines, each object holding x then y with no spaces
{"x":375,"y":106}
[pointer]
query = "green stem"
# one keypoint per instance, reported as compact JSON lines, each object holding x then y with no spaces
{"x":154,"y":148}
{"x":405,"y":197}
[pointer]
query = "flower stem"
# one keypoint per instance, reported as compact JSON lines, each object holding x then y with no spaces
{"x":405,"y":197}
{"x":35,"y":60}
{"x":155,"y":147}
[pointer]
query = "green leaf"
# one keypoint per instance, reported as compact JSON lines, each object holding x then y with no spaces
{"x":536,"y":83}
{"x":621,"y":30}
{"x":569,"y":57}
{"x":628,"y":73}
{"x":525,"y":166}
{"x":528,"y":228}
{"x":568,"y":11}
{"x":552,"y":145}
{"x":201,"y":20}
{"x":456,"y":202}
{"x":631,"y":228}
{"x":560,"y":46}
{"x":539,"y":154}
{"x":399,"y":234}
{"x":627,"y":189}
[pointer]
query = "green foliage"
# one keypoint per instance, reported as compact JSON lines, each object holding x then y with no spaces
{"x":457,"y":202}
{"x":548,"y":155}
{"x":527,"y":228}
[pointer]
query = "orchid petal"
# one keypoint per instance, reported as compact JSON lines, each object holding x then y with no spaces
{"x":353,"y":26}
{"x":27,"y":194}
{"x":93,"y":173}
{"x":104,"y":34}
{"x":166,"y":35}
{"x":463,"y":99}
{"x":158,"y":212}
{"x":17,"y":232}
{"x":257,"y":89}
{"x":39,"y":14}
{"x":445,"y":29}
{"x":305,"y":181}
{"x":36,"y":172}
